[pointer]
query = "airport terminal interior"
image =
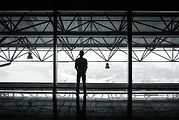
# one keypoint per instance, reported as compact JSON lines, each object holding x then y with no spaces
{"x":132,"y":54}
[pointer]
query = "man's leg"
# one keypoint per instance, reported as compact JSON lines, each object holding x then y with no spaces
{"x":84,"y":83}
{"x":84,"y":97}
{"x":78,"y":84}
{"x":77,"y":97}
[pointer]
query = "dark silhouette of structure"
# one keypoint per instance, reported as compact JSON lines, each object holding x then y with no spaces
{"x":81,"y":67}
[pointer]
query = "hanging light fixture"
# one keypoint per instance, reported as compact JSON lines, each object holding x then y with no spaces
{"x":29,"y":55}
{"x":107,"y":66}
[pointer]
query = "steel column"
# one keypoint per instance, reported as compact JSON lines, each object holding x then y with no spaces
{"x":55,"y":67}
{"x":129,"y":26}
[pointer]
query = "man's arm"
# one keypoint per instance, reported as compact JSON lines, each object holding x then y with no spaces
{"x":76,"y":65}
{"x":86,"y":66}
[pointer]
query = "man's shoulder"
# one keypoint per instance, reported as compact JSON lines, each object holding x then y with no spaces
{"x":85,"y":59}
{"x":81,"y":59}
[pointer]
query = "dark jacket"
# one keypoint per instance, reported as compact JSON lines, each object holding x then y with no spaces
{"x":81,"y":65}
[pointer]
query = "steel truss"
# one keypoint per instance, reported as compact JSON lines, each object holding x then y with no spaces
{"x":154,"y":34}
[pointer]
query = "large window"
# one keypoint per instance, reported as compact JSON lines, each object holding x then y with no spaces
{"x":155,"y":72}
{"x":96,"y":73}
{"x":27,"y":72}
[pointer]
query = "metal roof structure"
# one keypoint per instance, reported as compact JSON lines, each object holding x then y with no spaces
{"x":97,"y":31}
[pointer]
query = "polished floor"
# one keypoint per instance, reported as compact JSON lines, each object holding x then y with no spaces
{"x":106,"y":107}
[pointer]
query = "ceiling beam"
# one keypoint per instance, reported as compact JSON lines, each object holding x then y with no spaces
{"x":93,"y":45}
{"x":89,"y":34}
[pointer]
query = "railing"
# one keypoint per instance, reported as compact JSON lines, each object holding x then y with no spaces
{"x":92,"y":88}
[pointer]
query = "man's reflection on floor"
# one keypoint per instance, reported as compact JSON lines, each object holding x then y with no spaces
{"x":80,"y":113}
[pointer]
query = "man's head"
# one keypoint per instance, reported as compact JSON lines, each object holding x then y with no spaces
{"x":81,"y":53}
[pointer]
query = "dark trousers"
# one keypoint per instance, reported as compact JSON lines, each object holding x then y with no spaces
{"x":81,"y":115}
{"x":83,"y":76}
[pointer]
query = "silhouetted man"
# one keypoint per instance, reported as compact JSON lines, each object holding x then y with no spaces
{"x":81,"y":67}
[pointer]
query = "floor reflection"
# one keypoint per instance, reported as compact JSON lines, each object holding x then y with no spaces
{"x":80,"y":111}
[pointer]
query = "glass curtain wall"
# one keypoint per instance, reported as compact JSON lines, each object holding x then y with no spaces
{"x":155,"y":74}
{"x":106,"y":76}
{"x":25,"y":75}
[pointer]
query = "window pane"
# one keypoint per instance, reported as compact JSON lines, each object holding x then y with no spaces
{"x":155,"y":72}
{"x":96,"y":72}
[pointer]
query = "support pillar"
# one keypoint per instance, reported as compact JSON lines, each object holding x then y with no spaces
{"x":55,"y":66}
{"x":129,"y":45}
